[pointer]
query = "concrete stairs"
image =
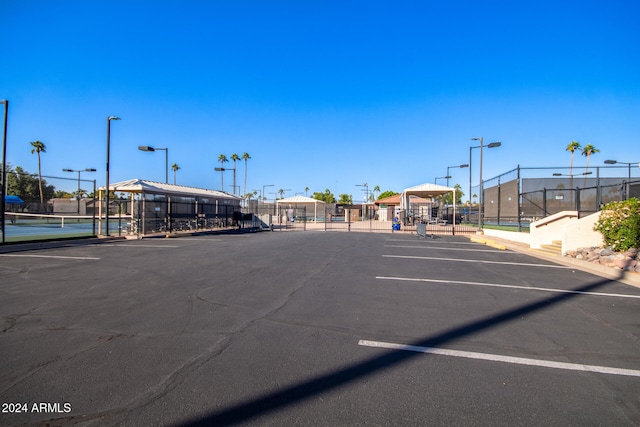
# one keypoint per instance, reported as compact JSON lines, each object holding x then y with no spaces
{"x":554,"y":248}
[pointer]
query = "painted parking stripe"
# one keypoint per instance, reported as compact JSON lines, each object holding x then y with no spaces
{"x":414,"y":240}
{"x":503,"y":359}
{"x":477,"y":261}
{"x":496,"y":285}
{"x":47,"y":256}
{"x":444,"y":248}
{"x":121,"y":245}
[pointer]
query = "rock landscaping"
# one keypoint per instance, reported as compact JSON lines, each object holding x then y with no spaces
{"x":627,"y":261}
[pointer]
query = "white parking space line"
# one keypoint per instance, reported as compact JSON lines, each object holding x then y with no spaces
{"x":496,"y":285}
{"x":503,"y":359}
{"x":477,"y":261}
{"x":431,"y":241}
{"x":124,"y":245}
{"x":47,"y":256}
{"x":443,"y":248}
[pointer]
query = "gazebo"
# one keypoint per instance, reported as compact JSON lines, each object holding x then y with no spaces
{"x":426,"y":191}
{"x":302,"y":201}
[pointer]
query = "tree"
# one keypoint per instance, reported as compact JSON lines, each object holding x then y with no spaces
{"x":245,"y":157}
{"x":326,"y":197}
{"x":235,"y":158}
{"x":222,"y":159}
{"x":306,"y":191}
{"x":588,"y":150}
{"x":386,"y":194}
{"x":449,"y":196}
{"x":345,"y":199}
{"x":26,"y":186}
{"x":281,"y":193}
{"x":575,"y":145}
{"x":174,"y":168}
{"x":39,"y":147}
{"x":376,"y":190}
{"x":572,"y":147}
{"x":60,"y":194}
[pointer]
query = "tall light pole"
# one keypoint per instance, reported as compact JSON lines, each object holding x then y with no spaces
{"x":264,"y":195}
{"x":79,"y":172}
{"x":166,"y":158}
{"x":613,"y":162}
{"x":481,"y":198}
{"x":3,"y":171}
{"x":106,"y":213}
{"x":221,"y":170}
{"x":452,"y":167}
{"x":366,"y":191}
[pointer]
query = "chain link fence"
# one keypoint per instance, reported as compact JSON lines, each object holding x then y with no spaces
{"x":523,"y":195}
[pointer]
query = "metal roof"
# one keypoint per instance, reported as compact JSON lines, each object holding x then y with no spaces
{"x":142,"y":186}
{"x":299,"y":199}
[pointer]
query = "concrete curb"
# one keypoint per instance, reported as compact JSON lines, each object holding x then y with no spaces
{"x":626,"y":277}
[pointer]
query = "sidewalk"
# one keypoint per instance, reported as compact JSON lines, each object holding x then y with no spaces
{"x":626,"y":277}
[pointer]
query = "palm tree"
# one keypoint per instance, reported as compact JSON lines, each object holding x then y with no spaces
{"x":306,"y":191}
{"x":174,"y":168}
{"x":222,"y":159}
{"x":235,"y":158}
{"x":575,"y":145}
{"x":376,"y":189}
{"x":588,"y":150}
{"x":245,"y":157}
{"x":39,"y":147}
{"x":281,"y":193}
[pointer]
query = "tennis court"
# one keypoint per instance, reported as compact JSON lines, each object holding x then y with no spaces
{"x":25,"y":226}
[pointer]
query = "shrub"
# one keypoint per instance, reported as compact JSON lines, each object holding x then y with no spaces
{"x":619,"y":224}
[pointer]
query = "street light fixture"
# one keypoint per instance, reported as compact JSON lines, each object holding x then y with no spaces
{"x":106,"y":216}
{"x":166,"y":158}
{"x":613,"y":162}
{"x":264,"y":195}
{"x":481,"y":204}
{"x":573,"y":174}
{"x":435,"y":181}
{"x":79,"y":171}
{"x":452,"y":167}
{"x":221,"y":170}
{"x":366,"y":191}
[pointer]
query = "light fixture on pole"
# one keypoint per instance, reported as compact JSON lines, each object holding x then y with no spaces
{"x":572,"y":174}
{"x":452,"y":167}
{"x":366,"y":191}
{"x":613,"y":162}
{"x":264,"y":195}
{"x":106,"y":213}
{"x":435,"y":180}
{"x":481,"y":198}
{"x":79,"y":172}
{"x":221,"y":170}
{"x":166,"y":158}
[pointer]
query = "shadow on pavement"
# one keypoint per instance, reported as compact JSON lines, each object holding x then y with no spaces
{"x":275,"y":401}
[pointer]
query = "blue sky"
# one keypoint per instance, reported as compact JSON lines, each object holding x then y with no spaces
{"x":321,"y":94}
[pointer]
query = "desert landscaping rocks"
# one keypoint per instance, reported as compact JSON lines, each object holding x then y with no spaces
{"x":627,"y":261}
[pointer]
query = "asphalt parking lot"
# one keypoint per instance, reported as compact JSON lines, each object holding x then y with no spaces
{"x":312,"y":328}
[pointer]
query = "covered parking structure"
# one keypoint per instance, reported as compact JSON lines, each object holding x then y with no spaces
{"x":146,"y":207}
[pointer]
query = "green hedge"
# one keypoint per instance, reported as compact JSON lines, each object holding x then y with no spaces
{"x":619,"y":224}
